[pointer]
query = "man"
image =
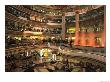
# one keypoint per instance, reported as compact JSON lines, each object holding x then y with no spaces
{"x":70,"y":43}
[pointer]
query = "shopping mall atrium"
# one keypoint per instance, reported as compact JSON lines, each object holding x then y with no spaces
{"x":55,"y":38}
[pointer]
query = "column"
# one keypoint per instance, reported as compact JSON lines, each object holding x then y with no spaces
{"x":76,"y":28}
{"x":83,"y":38}
{"x":63,"y":27}
{"x":92,"y":39}
{"x":104,"y":31}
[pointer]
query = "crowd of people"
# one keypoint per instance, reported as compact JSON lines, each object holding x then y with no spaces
{"x":13,"y":42}
{"x":27,"y":63}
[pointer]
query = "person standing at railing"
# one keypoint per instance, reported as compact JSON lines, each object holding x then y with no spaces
{"x":70,"y":43}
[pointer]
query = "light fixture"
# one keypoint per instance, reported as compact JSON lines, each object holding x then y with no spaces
{"x":58,"y":21}
{"x":41,"y":20}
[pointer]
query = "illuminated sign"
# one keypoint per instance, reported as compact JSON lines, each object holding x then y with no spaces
{"x":33,"y":33}
{"x":71,"y":30}
{"x":45,"y":52}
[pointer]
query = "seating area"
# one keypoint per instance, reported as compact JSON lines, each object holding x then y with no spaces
{"x":33,"y":61}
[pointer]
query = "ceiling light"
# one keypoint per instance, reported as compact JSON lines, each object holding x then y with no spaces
{"x":41,"y":20}
{"x":58,"y":21}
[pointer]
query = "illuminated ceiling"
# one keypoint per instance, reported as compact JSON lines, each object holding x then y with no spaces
{"x":55,"y":9}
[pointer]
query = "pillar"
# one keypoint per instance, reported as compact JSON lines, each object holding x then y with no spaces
{"x":63,"y":27}
{"x":92,"y":39}
{"x":104,"y":32}
{"x":76,"y":28}
{"x":83,"y":38}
